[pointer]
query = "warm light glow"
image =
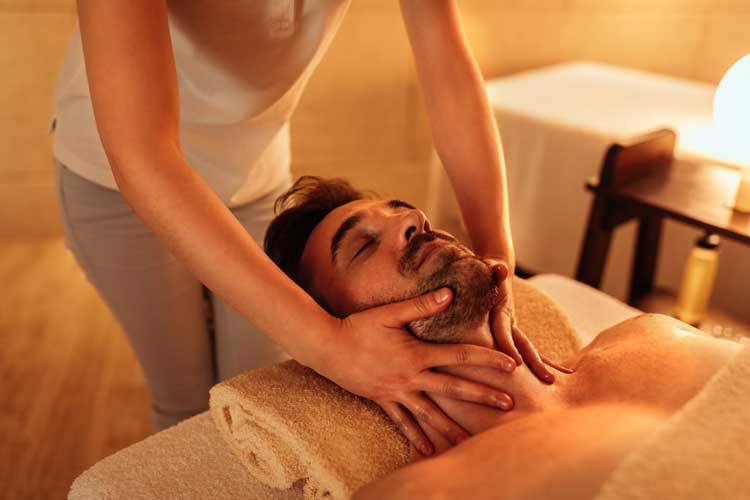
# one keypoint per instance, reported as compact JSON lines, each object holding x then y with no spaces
{"x":732,"y":121}
{"x":732,"y":109}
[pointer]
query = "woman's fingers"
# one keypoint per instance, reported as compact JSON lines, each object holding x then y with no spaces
{"x":556,"y":366}
{"x":501,"y":272}
{"x":501,"y":316}
{"x":429,"y":413}
{"x":400,"y":313}
{"x":502,"y":331}
{"x":450,"y":386}
{"x":432,"y":355}
{"x":408,"y":426}
{"x":531,"y":357}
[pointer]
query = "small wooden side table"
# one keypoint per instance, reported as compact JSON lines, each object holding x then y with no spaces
{"x":642,"y":180}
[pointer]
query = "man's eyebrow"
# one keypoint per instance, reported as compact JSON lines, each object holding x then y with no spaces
{"x":399,"y":204}
{"x":341,"y":232}
{"x":352,"y":221}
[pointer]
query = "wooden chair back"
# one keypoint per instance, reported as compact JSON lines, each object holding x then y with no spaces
{"x":634,"y":159}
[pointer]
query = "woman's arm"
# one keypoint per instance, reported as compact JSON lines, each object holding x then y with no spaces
{"x":132,"y":79}
{"x":463,"y":128}
{"x":468,"y":143}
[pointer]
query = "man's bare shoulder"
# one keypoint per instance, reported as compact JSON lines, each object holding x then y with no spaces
{"x":651,"y":359}
{"x":537,"y":457}
{"x":643,"y":327}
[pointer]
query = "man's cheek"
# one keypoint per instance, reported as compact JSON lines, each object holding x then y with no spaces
{"x":377,"y":282}
{"x":377,"y":290}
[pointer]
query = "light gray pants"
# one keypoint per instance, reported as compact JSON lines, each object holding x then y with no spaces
{"x":159,"y":304}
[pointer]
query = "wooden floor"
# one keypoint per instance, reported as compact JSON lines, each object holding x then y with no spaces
{"x":71,"y":390}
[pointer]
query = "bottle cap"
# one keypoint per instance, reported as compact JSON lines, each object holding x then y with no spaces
{"x":709,"y":241}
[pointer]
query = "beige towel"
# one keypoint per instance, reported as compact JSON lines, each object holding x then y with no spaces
{"x":287,"y":423}
{"x":702,"y":452}
{"x":544,"y":322}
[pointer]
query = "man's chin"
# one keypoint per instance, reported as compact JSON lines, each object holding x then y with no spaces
{"x":474,"y":294}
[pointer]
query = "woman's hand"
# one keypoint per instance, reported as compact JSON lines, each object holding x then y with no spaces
{"x":373,"y":355}
{"x":509,"y":338}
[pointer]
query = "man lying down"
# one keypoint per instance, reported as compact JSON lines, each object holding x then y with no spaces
{"x":625,"y":384}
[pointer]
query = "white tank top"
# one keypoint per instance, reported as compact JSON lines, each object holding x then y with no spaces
{"x":241,"y":69}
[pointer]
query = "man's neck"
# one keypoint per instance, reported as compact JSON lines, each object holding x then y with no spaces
{"x":481,"y":336}
{"x":529,"y":394}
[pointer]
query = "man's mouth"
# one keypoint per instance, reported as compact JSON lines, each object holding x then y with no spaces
{"x":424,"y":246}
{"x":430,"y":249}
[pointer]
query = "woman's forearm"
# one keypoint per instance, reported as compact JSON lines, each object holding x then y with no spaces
{"x":468,"y":144}
{"x":200,"y":231}
{"x":463,"y":128}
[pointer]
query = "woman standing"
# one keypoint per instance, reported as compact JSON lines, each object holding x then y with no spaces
{"x":171,"y":144}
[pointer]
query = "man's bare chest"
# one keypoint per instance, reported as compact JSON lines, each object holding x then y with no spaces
{"x":650,"y":360}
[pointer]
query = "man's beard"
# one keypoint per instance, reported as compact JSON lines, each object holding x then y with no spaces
{"x":472,"y":281}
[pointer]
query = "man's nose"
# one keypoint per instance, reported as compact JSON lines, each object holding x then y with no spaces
{"x":414,"y":222}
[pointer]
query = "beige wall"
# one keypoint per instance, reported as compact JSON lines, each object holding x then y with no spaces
{"x":361,"y":116}
{"x":33,"y":35}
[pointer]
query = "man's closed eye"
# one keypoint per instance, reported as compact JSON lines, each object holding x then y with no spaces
{"x":368,"y":243}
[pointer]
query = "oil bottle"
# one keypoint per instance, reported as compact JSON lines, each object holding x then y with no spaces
{"x":698,"y":280}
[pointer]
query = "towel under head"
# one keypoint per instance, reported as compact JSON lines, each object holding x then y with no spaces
{"x":287,"y":423}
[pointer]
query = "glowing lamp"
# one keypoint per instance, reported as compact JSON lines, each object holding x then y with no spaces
{"x":732,"y":121}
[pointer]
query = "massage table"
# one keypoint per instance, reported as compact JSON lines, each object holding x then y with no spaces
{"x":192,"y":460}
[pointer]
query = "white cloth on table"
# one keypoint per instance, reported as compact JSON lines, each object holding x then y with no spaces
{"x":556,"y":124}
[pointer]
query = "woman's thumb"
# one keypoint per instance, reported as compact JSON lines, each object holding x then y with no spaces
{"x":400,"y":313}
{"x":501,"y":272}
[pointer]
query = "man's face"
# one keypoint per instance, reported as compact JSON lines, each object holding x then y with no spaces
{"x":372,"y":252}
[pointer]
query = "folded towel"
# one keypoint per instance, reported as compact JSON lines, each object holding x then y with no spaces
{"x":287,"y":423}
{"x":702,"y":452}
{"x":544,"y":322}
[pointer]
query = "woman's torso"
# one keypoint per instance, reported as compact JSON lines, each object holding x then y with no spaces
{"x":241,"y":69}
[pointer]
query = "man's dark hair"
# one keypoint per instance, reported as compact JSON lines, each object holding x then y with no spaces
{"x":298,"y":211}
